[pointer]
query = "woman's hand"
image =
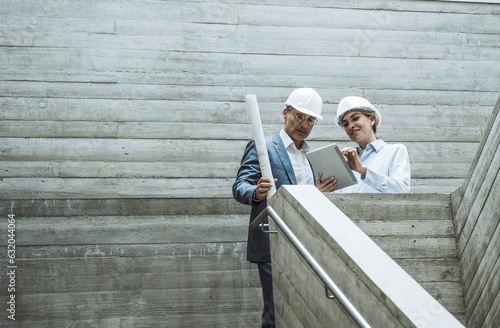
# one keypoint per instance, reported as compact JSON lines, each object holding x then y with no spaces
{"x":354,"y":161}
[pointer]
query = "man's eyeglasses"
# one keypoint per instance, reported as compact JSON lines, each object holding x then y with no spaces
{"x":301,"y":117}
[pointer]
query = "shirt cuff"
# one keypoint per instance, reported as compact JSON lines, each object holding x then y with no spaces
{"x":255,"y":199}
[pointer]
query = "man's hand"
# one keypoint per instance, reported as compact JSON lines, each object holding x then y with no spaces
{"x":327,"y":185}
{"x":263,"y":187}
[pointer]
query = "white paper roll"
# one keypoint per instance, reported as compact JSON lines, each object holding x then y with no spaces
{"x":260,"y":142}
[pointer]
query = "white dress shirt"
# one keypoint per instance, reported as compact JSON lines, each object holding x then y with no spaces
{"x":388,"y":169}
{"x":300,"y":163}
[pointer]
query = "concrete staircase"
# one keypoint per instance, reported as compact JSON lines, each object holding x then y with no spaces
{"x":417,"y":231}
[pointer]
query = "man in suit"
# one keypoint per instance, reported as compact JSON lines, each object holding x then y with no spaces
{"x":286,"y":150}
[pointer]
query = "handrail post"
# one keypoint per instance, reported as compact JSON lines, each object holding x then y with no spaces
{"x":330,"y":285}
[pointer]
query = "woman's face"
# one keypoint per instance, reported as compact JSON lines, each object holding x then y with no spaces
{"x":359,"y":128}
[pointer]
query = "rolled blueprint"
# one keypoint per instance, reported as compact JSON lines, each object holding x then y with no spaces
{"x":260,"y":142}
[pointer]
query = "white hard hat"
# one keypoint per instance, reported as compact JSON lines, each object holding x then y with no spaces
{"x":356,"y":104}
{"x":306,"y":100}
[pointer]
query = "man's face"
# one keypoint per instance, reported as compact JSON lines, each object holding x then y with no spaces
{"x":298,"y":131}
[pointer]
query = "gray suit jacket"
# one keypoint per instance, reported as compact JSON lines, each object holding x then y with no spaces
{"x":246,"y":181}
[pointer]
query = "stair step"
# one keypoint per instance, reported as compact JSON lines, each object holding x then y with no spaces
{"x":157,"y":187}
{"x":123,"y":206}
{"x":131,"y":229}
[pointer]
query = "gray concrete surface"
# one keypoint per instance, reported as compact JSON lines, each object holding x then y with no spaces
{"x":118,"y":112}
{"x":477,"y":217}
{"x":363,"y":268}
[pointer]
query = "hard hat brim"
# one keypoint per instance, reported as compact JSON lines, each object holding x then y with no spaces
{"x":305,"y":111}
{"x":367,"y":110}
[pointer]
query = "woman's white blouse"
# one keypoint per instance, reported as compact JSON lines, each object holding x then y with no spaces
{"x":388,"y":169}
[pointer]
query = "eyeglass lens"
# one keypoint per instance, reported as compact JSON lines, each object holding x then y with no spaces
{"x":310,"y":120}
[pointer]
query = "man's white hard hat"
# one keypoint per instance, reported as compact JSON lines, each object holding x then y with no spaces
{"x":307,"y":101}
{"x":356,"y":104}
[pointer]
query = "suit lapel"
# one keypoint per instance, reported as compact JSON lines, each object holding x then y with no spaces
{"x":284,"y":158}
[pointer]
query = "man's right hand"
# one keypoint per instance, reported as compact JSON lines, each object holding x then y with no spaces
{"x":263,"y":186}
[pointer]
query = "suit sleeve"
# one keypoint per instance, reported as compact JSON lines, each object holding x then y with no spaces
{"x":248,"y":176}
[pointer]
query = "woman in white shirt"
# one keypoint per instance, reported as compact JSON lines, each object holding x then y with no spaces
{"x":379,"y":167}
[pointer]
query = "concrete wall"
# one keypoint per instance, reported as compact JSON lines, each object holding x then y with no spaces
{"x":477,"y":217}
{"x":128,"y":263}
{"x":109,"y":106}
{"x":135,"y":99}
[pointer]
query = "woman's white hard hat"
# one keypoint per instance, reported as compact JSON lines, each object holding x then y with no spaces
{"x":307,"y":101}
{"x":356,"y":104}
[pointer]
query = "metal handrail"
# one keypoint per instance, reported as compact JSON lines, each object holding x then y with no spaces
{"x":330,"y":286}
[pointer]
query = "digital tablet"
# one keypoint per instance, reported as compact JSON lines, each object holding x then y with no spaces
{"x":330,"y":161}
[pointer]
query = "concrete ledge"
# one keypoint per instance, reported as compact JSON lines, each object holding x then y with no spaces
{"x":170,"y":188}
{"x":122,"y":206}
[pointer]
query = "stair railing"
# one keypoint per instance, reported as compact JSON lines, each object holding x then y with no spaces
{"x":332,"y":291}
